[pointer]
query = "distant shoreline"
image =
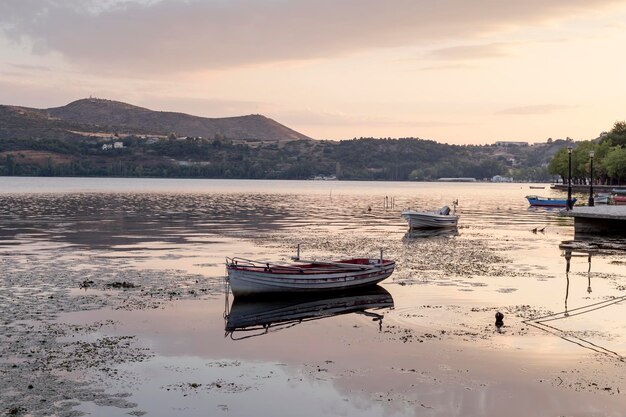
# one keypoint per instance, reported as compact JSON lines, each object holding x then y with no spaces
{"x":585,"y":187}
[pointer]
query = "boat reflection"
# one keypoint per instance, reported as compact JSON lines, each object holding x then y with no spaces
{"x":254,"y":317}
{"x":426,"y":233}
{"x":544,"y":209}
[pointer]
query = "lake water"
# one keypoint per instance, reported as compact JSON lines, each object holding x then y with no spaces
{"x":423,"y":344}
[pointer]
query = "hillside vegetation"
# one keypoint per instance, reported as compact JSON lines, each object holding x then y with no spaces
{"x":77,"y":140}
{"x":609,"y":156}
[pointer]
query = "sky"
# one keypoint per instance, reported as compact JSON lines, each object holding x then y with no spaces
{"x":454,"y":71}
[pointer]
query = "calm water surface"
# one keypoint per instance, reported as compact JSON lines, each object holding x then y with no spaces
{"x":424,"y":344}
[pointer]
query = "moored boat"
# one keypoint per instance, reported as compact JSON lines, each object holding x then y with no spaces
{"x":619,"y":196}
{"x":602,"y":198}
{"x":431,"y":219}
{"x":537,"y":201}
{"x":619,"y":200}
{"x":250,"y":278}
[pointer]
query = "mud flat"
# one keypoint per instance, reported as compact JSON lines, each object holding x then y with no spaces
{"x":47,"y":367}
{"x":80,"y":335}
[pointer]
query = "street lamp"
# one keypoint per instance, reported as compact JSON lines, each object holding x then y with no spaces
{"x":591,"y":201}
{"x":569,"y":177}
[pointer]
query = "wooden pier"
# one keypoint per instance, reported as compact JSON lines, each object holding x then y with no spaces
{"x":598,"y":220}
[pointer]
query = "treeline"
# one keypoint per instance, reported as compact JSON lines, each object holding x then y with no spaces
{"x":609,"y":159}
{"x":191,"y":157}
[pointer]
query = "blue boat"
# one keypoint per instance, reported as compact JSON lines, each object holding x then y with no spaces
{"x":537,"y":201}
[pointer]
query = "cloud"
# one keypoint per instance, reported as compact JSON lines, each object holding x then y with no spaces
{"x":170,"y":36}
{"x":537,"y":109}
{"x":19,"y":91}
{"x":28,"y":67}
{"x":471,"y":52}
{"x":311,"y":117}
{"x":448,"y":67}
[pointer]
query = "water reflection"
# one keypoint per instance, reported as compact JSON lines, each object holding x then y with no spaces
{"x":585,"y":249}
{"x":568,"y":253}
{"x":138,"y":214}
{"x":249,"y":317}
{"x":426,"y":233}
{"x":108,"y":221}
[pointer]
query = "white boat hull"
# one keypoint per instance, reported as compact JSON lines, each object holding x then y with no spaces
{"x":244,"y":282}
{"x":428,"y":220}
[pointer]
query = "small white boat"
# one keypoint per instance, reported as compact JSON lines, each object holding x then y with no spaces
{"x":602,"y":198}
{"x":430,"y":219}
{"x":249,"y":278}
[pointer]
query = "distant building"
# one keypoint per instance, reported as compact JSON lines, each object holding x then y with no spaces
{"x":462,"y":179}
{"x":500,"y":178}
{"x":504,"y":143}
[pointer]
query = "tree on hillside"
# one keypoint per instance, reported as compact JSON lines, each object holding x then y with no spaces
{"x":581,"y":161}
{"x":617,"y":135}
{"x":599,"y":169}
{"x":615,"y":164}
{"x":609,"y":158}
{"x":619,"y":128}
{"x":559,"y":164}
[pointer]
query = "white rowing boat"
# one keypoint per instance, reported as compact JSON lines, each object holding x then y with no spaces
{"x":439,"y":219}
{"x":247,"y":278}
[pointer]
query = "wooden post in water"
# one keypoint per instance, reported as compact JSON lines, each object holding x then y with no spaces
{"x":297,"y":257}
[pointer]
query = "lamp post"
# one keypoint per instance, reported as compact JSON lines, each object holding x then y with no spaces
{"x":569,"y":177}
{"x":591,"y":201}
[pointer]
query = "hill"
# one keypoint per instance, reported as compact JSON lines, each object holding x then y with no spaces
{"x":95,"y":137}
{"x":116,"y":115}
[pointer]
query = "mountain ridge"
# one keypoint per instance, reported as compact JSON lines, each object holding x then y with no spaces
{"x":117,"y":115}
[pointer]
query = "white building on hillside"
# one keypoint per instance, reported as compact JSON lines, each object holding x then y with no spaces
{"x":510,"y":143}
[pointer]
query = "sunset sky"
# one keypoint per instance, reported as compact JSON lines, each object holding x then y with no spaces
{"x":455,"y":71}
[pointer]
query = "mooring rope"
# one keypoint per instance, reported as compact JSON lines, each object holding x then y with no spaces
{"x":586,"y":309}
{"x":539,"y":323}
